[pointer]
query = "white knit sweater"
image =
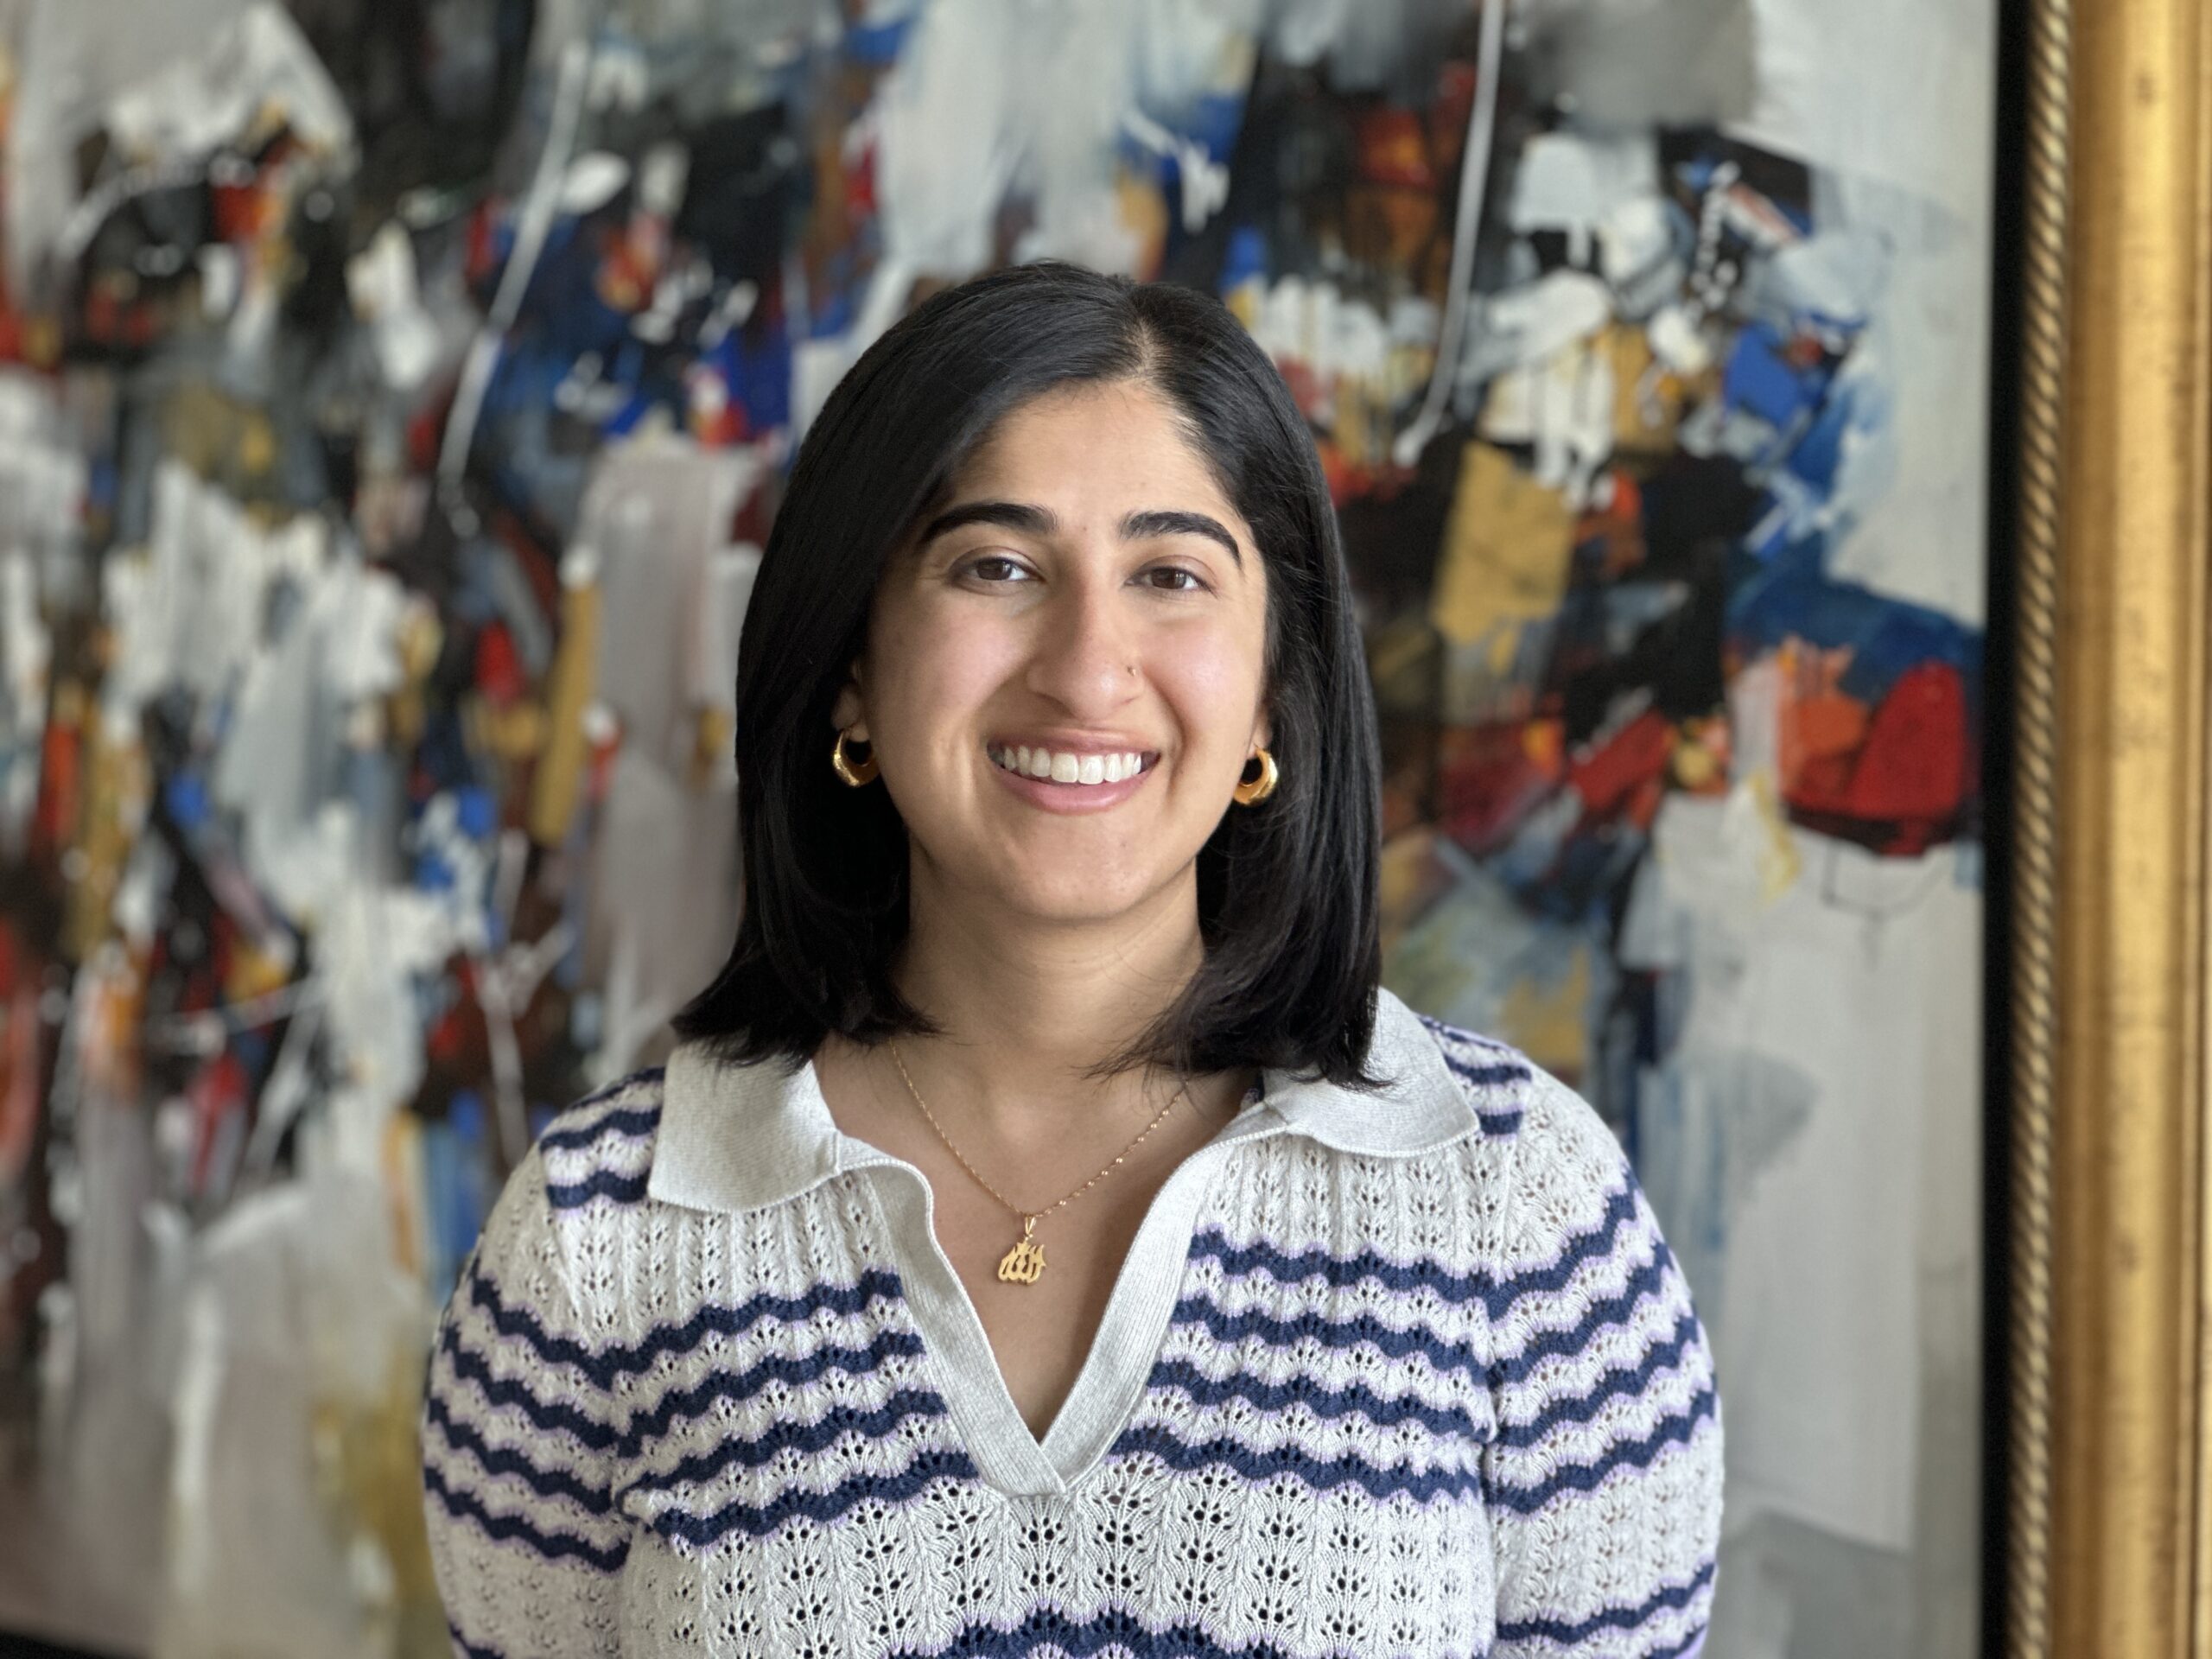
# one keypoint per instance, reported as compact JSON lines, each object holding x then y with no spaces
{"x":1404,"y":1374}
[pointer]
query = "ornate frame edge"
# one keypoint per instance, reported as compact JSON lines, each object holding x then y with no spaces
{"x":2109,"y":1474}
{"x":2033,"y":815}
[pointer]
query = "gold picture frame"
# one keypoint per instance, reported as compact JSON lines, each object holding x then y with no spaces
{"x":2109,"y":1472}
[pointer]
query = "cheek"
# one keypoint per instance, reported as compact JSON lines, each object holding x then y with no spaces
{"x":1213,"y":681}
{"x":932,"y":669}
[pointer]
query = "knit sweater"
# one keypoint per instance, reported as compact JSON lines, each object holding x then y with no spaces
{"x":1406,"y":1373}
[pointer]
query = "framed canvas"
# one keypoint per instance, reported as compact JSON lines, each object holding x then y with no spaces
{"x":1648,"y":345}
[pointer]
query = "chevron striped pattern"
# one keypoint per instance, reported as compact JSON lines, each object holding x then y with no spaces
{"x":1452,"y":1403}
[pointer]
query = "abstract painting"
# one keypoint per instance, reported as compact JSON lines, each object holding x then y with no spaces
{"x":396,"y":401}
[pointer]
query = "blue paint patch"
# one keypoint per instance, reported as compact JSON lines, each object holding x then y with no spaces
{"x":1792,"y":595}
{"x":1760,"y":380}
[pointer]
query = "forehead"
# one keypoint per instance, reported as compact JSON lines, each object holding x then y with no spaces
{"x":1111,"y":441}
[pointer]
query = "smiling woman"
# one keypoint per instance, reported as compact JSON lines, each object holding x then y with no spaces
{"x":1053,"y":615}
{"x":1152,"y":542}
{"x":1048,"y":1238}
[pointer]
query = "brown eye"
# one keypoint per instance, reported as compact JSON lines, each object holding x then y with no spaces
{"x":995,"y":570}
{"x":1190,"y":580}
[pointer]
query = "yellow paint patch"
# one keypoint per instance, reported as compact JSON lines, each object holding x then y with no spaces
{"x":1507,"y":550}
{"x":1550,"y":1023}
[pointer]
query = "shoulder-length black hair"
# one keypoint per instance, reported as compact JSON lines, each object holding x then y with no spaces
{"x":1287,"y":890}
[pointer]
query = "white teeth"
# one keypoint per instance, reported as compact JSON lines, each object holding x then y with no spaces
{"x":1067,"y":768}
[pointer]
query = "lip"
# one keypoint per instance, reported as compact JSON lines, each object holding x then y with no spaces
{"x":1076,"y":798}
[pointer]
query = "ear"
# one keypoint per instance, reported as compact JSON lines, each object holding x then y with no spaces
{"x":1261,"y":730}
{"x":849,"y":711}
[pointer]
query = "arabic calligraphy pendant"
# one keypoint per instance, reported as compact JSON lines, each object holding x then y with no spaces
{"x":1025,"y":1263}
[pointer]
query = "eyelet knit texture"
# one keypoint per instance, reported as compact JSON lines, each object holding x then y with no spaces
{"x":1449,"y":1403}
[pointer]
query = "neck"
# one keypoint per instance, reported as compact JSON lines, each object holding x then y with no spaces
{"x":1028,"y":1008}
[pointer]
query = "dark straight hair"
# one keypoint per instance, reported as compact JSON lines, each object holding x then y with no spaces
{"x":1287,"y":889}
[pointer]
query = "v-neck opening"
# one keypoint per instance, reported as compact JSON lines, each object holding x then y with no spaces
{"x":737,"y":1137}
{"x":1118,"y":1362}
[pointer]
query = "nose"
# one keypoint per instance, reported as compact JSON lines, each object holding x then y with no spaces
{"x":1080,"y":656}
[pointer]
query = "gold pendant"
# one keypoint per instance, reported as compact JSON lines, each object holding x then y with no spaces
{"x":1025,"y":1263}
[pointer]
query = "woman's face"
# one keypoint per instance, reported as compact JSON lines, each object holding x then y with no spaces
{"x":1087,"y":594}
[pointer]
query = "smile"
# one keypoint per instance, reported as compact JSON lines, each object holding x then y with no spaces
{"x":1062,"y":767}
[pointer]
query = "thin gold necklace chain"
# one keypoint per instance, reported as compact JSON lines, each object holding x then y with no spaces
{"x":1028,"y":1218}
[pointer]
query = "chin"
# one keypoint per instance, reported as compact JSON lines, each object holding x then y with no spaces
{"x":1079,"y":897}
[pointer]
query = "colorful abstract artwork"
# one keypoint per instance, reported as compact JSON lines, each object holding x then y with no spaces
{"x":395,"y":400}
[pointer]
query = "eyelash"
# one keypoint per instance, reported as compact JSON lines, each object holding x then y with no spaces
{"x":1198,"y":582}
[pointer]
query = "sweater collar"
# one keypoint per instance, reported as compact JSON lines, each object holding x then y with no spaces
{"x":743,"y":1137}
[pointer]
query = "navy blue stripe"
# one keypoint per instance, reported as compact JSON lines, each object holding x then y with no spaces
{"x":1288,"y":1268}
{"x":621,"y":1085}
{"x":1497,"y":1292}
{"x":1117,"y":1629}
{"x":601,"y":1184}
{"x":632,"y":1121}
{"x":462,"y":1436}
{"x":607,"y":1366}
{"x":1321,"y":1474}
{"x":803,"y":1437}
{"x":757,"y":1520}
{"x":1452,"y":1033}
{"x":547,"y":1415}
{"x":1328,"y":1404}
{"x":1445,"y":1358}
{"x":1500,"y":1124}
{"x":1485,"y":1077}
{"x":1652,"y":1279}
{"x":1578,"y":1409}
{"x":1599,"y":1243}
{"x":553,"y":1546}
{"x":1674,"y":1430}
{"x":1673,"y":1598}
{"x":468,"y":1649}
{"x":741,"y":1387}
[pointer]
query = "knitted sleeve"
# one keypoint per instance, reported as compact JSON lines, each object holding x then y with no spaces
{"x":519,"y":1445}
{"x":1604,"y":1481}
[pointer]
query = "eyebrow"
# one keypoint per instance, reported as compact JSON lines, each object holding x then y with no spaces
{"x":1034,"y":520}
{"x":1175,"y":521}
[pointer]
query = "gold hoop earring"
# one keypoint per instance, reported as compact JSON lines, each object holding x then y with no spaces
{"x":1250,"y":791}
{"x":857,"y":774}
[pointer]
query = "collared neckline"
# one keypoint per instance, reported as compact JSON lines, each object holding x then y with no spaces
{"x":736,"y":1137}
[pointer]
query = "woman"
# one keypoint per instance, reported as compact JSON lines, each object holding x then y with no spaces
{"x":1046,"y":1238}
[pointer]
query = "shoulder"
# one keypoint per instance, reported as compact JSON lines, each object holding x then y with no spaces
{"x":1517,"y":1101}
{"x":1548,"y":1169}
{"x":591,"y":1159}
{"x":602,"y":1146}
{"x":1492,"y":1078}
